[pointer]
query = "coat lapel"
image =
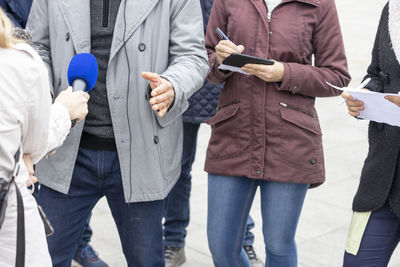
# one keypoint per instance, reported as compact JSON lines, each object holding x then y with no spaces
{"x":260,"y":6}
{"x":76,"y":14}
{"x":136,"y":12}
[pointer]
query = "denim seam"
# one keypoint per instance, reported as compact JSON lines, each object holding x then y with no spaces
{"x":239,"y":249}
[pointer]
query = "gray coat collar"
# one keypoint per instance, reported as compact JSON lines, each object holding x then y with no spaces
{"x":76,"y":14}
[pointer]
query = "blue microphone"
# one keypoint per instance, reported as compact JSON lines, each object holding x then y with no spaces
{"x":82,"y":72}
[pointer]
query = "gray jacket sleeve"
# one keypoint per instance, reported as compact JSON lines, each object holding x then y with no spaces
{"x":188,"y":65}
{"x":38,"y":26}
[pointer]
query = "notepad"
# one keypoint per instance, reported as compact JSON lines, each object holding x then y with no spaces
{"x":235,"y":61}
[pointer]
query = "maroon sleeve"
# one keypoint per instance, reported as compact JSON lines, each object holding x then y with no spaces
{"x":330,"y":59}
{"x":217,"y":19}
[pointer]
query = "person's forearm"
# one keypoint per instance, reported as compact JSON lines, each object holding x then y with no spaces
{"x":59,"y":127}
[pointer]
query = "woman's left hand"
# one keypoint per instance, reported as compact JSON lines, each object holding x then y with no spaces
{"x":268,"y":73}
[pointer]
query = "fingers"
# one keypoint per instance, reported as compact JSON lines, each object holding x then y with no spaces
{"x":231,"y":45}
{"x":253,"y":68}
{"x":31,"y":181}
{"x":240,"y":48}
{"x":354,"y":106}
{"x":153,"y":78}
{"x":162,"y":112}
{"x":162,"y":97}
{"x":347,"y":96}
{"x":162,"y":102}
{"x":161,"y":89}
{"x":224,"y":49}
{"x":393,"y":99}
{"x":86,"y":95}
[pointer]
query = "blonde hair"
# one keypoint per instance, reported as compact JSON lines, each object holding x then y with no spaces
{"x":6,"y":30}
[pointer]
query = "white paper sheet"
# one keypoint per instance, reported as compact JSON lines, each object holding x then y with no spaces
{"x":376,"y":107}
{"x":232,"y":68}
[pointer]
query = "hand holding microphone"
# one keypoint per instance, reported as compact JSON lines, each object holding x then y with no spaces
{"x":82,"y":76}
{"x":74,"y":102}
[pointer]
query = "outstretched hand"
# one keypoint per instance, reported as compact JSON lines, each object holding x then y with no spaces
{"x":162,"y":93}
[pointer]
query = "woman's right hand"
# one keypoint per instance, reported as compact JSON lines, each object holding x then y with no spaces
{"x":74,"y":102}
{"x":225,"y":48}
{"x":354,"y":106}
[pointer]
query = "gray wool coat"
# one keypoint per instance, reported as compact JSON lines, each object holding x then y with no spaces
{"x":162,"y":36}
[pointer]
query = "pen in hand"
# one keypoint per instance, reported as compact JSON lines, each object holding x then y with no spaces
{"x":222,"y":34}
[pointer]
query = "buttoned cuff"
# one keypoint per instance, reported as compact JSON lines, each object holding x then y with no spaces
{"x":219,"y":75}
{"x":289,"y":82}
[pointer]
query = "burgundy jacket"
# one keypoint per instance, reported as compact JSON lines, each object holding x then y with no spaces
{"x":271,"y":131}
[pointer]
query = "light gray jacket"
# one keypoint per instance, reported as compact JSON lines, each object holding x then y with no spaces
{"x":162,"y":36}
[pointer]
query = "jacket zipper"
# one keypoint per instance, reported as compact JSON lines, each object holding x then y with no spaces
{"x":228,"y":104}
{"x":297,"y":109}
{"x":106,"y":11}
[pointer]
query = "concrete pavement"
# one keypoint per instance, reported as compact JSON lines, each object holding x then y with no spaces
{"x":327,"y":209}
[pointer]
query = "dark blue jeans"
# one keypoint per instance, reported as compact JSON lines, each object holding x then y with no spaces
{"x":177,"y":206}
{"x":380,"y":238}
{"x":87,"y":232}
{"x":97,"y":174}
{"x":229,"y":202}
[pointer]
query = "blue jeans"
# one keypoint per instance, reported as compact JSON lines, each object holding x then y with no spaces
{"x":229,"y":202}
{"x":97,"y":174}
{"x":87,"y":233}
{"x":177,"y":206}
{"x":380,"y":238}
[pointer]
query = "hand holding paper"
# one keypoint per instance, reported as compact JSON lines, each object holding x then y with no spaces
{"x":374,"y":106}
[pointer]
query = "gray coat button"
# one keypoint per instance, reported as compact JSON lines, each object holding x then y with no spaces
{"x":67,"y":35}
{"x":142,"y":47}
{"x":156,"y":139}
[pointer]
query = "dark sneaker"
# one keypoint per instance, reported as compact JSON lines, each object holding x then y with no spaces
{"x":174,"y":256}
{"x":254,"y":261}
{"x":87,"y":257}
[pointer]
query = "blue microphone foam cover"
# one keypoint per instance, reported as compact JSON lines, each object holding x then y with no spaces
{"x":83,"y":66}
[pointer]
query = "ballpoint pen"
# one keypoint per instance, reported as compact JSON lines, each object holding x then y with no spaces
{"x":222,"y":34}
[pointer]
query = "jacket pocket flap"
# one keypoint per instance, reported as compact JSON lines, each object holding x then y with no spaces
{"x":224,"y":114}
{"x":301,"y":120}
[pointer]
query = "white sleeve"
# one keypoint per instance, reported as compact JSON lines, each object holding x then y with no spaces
{"x":36,"y":132}
{"x":59,"y":127}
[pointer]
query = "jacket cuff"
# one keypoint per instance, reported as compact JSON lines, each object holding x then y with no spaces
{"x":217,"y":75}
{"x":290,"y":81}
